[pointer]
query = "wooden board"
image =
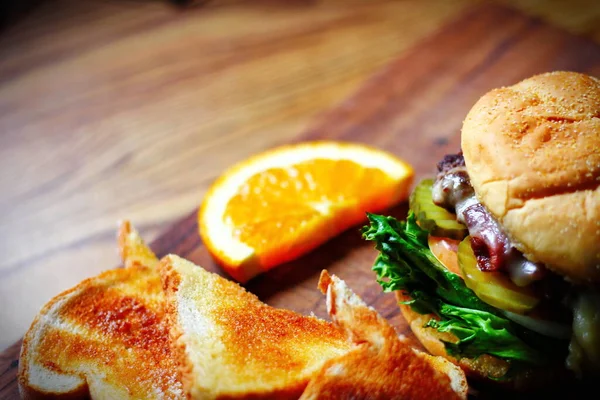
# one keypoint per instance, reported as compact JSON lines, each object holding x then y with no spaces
{"x":413,"y":108}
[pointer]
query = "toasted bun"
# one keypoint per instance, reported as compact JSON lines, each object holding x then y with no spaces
{"x":486,"y":369}
{"x":533,"y":154}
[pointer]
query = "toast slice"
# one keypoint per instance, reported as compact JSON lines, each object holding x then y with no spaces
{"x":382,"y":366}
{"x":230,"y":345}
{"x":106,"y":338}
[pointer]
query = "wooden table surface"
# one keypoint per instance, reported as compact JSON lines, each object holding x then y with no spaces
{"x":130,"y":109}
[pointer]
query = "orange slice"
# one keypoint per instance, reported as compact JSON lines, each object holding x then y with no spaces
{"x":278,"y":205}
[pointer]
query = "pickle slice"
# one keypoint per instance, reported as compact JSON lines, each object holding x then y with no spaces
{"x":437,"y":220}
{"x":494,"y":288}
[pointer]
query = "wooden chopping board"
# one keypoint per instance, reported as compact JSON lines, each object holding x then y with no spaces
{"x":414,"y":108}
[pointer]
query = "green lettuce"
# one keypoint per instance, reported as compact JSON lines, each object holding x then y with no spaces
{"x":405,"y":263}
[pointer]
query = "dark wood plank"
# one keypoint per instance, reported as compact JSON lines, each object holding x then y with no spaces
{"x":9,"y":363}
{"x":413,"y":108}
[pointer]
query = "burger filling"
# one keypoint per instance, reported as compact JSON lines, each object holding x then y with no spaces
{"x":501,"y":303}
{"x":493,"y":249}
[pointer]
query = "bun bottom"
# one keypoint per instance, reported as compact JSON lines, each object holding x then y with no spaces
{"x":485,"y":369}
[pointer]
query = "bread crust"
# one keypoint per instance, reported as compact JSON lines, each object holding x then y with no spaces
{"x":381,"y":365}
{"x":533,"y":154}
{"x":106,"y":337}
{"x":230,"y":345}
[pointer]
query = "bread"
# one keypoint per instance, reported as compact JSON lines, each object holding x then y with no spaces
{"x":381,"y":365}
{"x":231,"y":345}
{"x":532,"y":153}
{"x":106,"y":338}
{"x":483,"y":368}
{"x":172,"y":330}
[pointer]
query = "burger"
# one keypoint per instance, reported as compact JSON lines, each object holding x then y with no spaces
{"x":497,"y":266}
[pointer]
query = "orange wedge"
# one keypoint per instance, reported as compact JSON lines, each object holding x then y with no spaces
{"x":278,"y":205}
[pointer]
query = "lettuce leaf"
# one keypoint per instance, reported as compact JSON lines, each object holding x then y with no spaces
{"x":405,"y":263}
{"x":406,"y":242}
{"x":480,"y":332}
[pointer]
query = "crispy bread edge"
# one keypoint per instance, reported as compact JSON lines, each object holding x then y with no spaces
{"x":26,"y":389}
{"x":367,"y":329}
{"x":132,"y":250}
{"x":171,"y":281}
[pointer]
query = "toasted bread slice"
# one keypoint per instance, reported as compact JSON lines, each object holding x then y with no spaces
{"x":382,"y":366}
{"x":106,"y":338}
{"x":231,"y":345}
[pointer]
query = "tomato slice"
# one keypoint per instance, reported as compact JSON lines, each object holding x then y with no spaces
{"x":445,"y":249}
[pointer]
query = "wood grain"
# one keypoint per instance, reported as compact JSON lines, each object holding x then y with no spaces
{"x":580,"y":17}
{"x":9,"y":363}
{"x":130,"y":109}
{"x":414,"y":108}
